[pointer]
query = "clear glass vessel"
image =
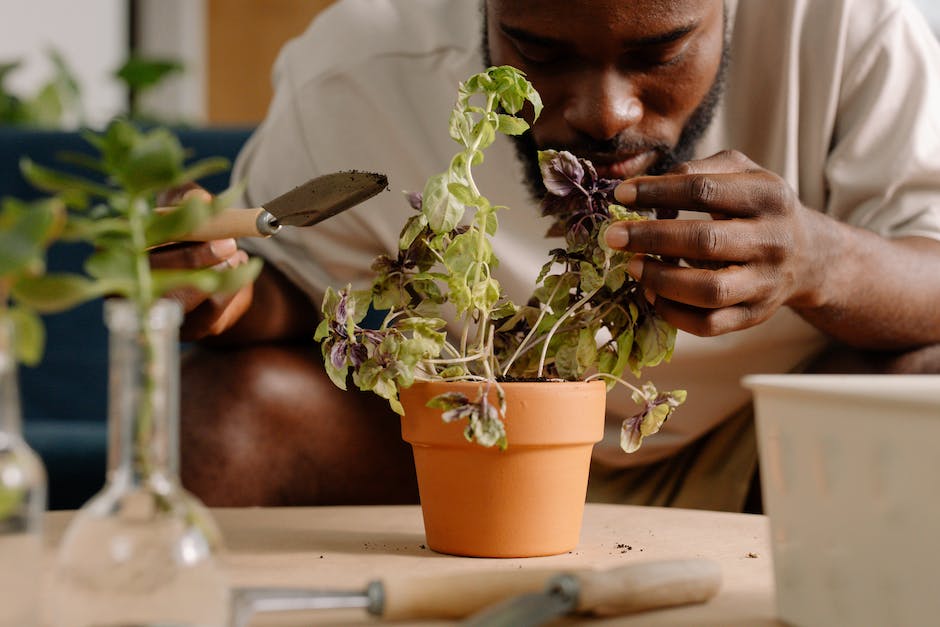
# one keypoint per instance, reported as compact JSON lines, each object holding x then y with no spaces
{"x":143,"y":550}
{"x":22,"y":501}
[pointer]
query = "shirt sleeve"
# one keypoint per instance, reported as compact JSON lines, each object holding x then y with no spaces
{"x":883,"y":172}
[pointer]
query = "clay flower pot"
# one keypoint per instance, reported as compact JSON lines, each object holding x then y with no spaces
{"x":524,"y":501}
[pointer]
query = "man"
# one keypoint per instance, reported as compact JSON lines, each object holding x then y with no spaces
{"x":812,"y":197}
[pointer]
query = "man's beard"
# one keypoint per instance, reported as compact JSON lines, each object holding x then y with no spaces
{"x":668,"y":156}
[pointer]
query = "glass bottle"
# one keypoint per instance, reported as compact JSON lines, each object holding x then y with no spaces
{"x":22,"y":501}
{"x":143,"y":550}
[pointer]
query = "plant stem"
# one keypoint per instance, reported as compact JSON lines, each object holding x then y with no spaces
{"x":586,"y":299}
{"x":143,"y":301}
{"x":531,"y":332}
{"x":606,"y":375}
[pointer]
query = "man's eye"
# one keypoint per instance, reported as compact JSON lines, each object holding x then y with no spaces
{"x":659,"y":56}
{"x":536,"y":54}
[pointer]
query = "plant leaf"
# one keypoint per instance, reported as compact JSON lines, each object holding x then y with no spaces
{"x":443,"y":211}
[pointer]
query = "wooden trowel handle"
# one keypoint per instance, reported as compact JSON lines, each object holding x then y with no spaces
{"x":633,"y":588}
{"x":647,"y":585}
{"x":254,"y":222}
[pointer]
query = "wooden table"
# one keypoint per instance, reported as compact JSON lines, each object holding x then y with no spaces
{"x":346,"y":547}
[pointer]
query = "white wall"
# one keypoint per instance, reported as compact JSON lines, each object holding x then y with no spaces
{"x":176,"y":29}
{"x":90,"y":34}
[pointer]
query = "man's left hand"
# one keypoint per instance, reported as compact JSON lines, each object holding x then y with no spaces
{"x":756,"y":254}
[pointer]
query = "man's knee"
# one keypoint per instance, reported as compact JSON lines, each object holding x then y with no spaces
{"x":263,"y":425}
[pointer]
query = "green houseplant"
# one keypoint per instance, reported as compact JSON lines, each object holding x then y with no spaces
{"x":587,"y":319}
{"x":164,"y":572}
{"x":25,"y":232}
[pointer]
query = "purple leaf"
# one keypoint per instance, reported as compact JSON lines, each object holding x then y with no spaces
{"x":414,"y":199}
{"x":562,"y":174}
{"x":338,"y":354}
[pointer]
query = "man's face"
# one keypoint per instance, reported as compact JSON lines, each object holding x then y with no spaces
{"x":630,"y":85}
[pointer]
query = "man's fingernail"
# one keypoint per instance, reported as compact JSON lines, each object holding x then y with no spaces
{"x":635,"y":267}
{"x":223,"y":248}
{"x":625,"y":193}
{"x":617,"y":236}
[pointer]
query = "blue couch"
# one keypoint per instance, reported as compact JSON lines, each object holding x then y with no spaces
{"x":65,"y":397}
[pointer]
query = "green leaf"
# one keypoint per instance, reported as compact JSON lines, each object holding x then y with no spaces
{"x":114,"y":262}
{"x":448,"y":401}
{"x":412,"y":229}
{"x":54,"y":293}
{"x":462,"y":193}
{"x":79,"y":228}
{"x":153,"y":163}
{"x":203,"y":168}
{"x":615,"y":278}
{"x":590,"y":278}
{"x":460,"y":125}
{"x":170,"y":226}
{"x":207,"y":280}
{"x":485,"y":133}
{"x":26,"y":229}
{"x":75,"y":190}
{"x":443,"y":211}
{"x":140,"y":73}
{"x":511,"y":125}
{"x":654,"y":343}
{"x":29,"y":333}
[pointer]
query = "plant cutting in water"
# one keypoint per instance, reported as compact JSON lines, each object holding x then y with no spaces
{"x":586,"y":319}
{"x":118,"y":217}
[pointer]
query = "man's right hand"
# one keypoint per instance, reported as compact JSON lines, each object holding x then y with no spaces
{"x":205,"y":314}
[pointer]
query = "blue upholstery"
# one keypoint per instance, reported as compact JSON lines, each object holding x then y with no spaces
{"x":65,"y":397}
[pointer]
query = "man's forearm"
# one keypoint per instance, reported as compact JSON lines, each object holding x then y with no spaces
{"x":874,"y":292}
{"x":278,"y":311}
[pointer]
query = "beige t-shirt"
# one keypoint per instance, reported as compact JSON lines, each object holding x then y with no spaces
{"x":840,"y":97}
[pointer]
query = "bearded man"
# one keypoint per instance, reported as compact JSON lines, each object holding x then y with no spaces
{"x":799,"y":139}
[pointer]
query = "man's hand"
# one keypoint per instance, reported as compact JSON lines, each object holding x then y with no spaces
{"x":764,"y":249}
{"x":205,"y":315}
{"x":759,"y":252}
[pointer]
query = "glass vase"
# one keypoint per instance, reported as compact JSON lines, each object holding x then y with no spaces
{"x":143,"y":550}
{"x":22,"y":501}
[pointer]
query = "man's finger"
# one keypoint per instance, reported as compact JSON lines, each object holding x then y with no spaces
{"x":724,"y":162}
{"x":193,"y":255}
{"x":707,"y":240}
{"x":731,"y":195}
{"x":709,"y":322}
{"x":707,"y":289}
{"x":179,"y":194}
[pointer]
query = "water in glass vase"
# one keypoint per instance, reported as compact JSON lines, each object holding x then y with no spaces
{"x":22,"y":502}
{"x":143,"y":550}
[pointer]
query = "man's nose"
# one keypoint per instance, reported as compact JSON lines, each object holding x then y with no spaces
{"x":603,"y":105}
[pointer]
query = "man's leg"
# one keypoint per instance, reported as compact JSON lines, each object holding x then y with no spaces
{"x":265,"y":426}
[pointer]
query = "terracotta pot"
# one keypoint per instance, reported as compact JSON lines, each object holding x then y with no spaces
{"x":524,"y":501}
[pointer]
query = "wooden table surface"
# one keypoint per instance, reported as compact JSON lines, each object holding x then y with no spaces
{"x":346,"y":547}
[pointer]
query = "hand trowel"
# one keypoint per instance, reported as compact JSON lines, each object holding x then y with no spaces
{"x":528,"y":595}
{"x":307,"y":204}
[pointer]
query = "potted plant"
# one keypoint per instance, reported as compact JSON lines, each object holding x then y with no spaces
{"x":25,"y":232}
{"x":142,"y":550}
{"x":501,"y":482}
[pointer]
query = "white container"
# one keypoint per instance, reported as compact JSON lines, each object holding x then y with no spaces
{"x":850,"y":472}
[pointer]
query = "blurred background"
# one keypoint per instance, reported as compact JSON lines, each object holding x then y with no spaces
{"x":224,"y":50}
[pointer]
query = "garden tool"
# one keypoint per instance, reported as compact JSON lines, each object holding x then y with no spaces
{"x":521,"y":597}
{"x":307,"y":204}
